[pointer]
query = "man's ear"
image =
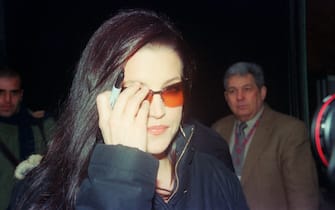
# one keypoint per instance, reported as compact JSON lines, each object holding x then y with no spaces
{"x":21,"y":94}
{"x":225,"y":95}
{"x":263,"y":92}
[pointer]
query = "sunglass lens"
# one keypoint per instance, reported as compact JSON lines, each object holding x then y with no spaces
{"x":173,"y":95}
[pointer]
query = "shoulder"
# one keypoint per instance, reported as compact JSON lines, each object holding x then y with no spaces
{"x":222,"y":122}
{"x":285,"y":121}
{"x":49,"y":123}
{"x":44,"y":118}
{"x":289,"y":130}
{"x":201,"y":130}
{"x":224,"y":126}
{"x":206,"y":140}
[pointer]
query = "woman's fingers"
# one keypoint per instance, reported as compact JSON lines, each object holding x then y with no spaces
{"x":123,"y":98}
{"x":135,"y":102}
{"x":126,"y":123}
{"x":141,"y":123}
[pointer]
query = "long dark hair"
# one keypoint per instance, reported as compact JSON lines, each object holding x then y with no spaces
{"x":56,"y":181}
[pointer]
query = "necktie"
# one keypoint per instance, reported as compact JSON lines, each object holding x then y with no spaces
{"x":238,"y":151}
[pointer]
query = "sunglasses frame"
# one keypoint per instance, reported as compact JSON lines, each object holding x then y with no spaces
{"x":180,"y":85}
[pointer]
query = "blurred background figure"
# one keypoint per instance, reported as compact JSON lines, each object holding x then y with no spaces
{"x":22,"y":132}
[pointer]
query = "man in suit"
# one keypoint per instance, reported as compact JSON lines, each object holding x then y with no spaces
{"x":270,"y":150}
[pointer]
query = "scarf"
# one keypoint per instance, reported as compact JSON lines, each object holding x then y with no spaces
{"x":24,"y":121}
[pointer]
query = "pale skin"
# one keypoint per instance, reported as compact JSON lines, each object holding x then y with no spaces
{"x":10,"y":95}
{"x":134,"y":122}
{"x":243,"y":96}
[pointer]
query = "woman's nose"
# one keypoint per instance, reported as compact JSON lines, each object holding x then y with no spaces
{"x":157,"y":107}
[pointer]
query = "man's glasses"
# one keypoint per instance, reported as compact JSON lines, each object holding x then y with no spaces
{"x":172,"y":95}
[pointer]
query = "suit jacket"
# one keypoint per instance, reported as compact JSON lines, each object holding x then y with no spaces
{"x":279,"y":171}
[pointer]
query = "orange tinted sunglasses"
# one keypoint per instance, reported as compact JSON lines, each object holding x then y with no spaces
{"x":172,"y":95}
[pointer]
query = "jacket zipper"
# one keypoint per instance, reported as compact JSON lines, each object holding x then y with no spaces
{"x":177,"y":163}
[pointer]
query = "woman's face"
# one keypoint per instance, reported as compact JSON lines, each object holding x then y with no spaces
{"x":157,"y":67}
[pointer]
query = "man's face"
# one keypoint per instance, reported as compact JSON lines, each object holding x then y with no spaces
{"x":10,"y":95}
{"x":243,"y":96}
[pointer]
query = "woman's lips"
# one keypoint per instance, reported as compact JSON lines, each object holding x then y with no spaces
{"x":157,"y":129}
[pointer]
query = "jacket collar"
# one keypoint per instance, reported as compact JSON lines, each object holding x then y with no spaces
{"x":184,"y":137}
{"x":184,"y":153}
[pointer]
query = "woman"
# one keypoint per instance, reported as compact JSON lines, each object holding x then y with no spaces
{"x":136,"y":154}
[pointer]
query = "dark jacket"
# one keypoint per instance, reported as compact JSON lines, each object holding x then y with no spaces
{"x":206,"y":140}
{"x":124,"y":178}
{"x":120,"y":177}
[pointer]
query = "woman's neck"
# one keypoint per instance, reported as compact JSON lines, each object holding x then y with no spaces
{"x":164,"y":172}
{"x":164,"y":181}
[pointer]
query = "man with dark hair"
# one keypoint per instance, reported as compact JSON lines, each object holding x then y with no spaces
{"x":22,"y":132}
{"x":271,"y":152}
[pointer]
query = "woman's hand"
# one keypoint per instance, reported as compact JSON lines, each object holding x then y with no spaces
{"x":126,"y":123}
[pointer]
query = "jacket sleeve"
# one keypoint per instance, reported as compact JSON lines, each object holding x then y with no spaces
{"x":119,"y":177}
{"x":299,"y":170}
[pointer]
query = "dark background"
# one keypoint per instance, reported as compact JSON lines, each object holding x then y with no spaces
{"x":44,"y":39}
{"x":292,"y":39}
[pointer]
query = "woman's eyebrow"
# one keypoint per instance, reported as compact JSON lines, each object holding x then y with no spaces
{"x":167,"y":82}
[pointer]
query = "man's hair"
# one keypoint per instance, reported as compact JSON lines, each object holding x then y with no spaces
{"x":244,"y":68}
{"x":9,"y":72}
